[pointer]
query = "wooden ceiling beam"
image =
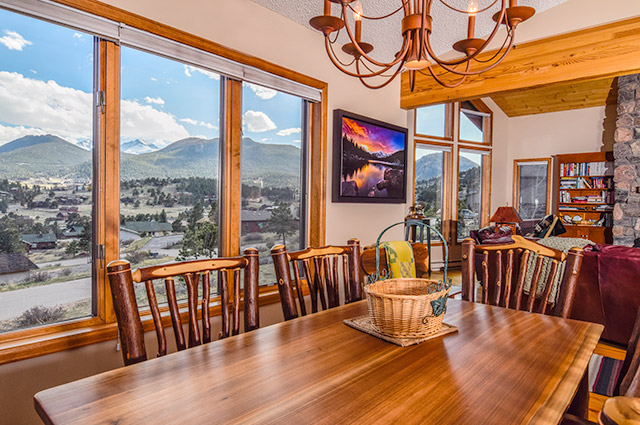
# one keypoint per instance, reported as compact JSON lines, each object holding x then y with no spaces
{"x":597,"y":53}
{"x":557,"y":97}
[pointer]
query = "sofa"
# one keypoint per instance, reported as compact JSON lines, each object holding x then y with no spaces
{"x":608,"y":290}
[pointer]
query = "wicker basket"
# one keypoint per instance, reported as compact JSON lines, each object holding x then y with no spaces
{"x":404,"y":308}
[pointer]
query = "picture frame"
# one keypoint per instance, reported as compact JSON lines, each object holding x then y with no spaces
{"x":369,"y":160}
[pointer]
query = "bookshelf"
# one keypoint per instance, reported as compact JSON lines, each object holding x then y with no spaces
{"x":584,"y":195}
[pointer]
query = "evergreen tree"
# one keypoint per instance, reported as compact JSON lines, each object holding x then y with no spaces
{"x":282,"y":222}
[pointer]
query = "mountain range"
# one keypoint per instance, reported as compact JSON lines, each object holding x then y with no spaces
{"x":430,"y":166}
{"x":138,"y":146}
{"x":50,"y":155}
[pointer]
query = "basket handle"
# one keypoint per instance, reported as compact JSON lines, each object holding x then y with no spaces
{"x":422,"y":226}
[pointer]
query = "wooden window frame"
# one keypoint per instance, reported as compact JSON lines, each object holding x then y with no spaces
{"x":516,"y":181}
{"x":487,"y":123}
{"x":448,"y":124}
{"x":485,"y":200}
{"x":33,"y":342}
{"x":446,"y":181}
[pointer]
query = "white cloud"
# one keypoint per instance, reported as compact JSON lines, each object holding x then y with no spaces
{"x":189,"y":70}
{"x":154,"y":79}
{"x":296,"y":142}
{"x":156,"y":100}
{"x":200,"y":123}
{"x":63,"y":111}
{"x":14,"y":41}
{"x":33,"y":71}
{"x":257,"y":122}
{"x":265,"y":139}
{"x":288,"y":131}
{"x":144,"y":122}
{"x":262,"y":92}
{"x":66,"y":112}
{"x":8,"y":134}
{"x":77,"y":35}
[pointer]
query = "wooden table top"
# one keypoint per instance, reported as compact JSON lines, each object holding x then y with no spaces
{"x":501,"y":367}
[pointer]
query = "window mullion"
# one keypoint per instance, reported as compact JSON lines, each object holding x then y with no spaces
{"x":109,"y":163}
{"x":230,"y":168}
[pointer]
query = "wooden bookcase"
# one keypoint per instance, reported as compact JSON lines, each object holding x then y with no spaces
{"x":584,"y":195}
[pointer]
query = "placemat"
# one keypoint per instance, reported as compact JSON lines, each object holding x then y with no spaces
{"x":363,"y":324}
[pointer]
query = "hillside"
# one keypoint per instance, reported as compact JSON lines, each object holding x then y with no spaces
{"x":192,"y":157}
{"x":430,"y":166}
{"x":46,"y":155}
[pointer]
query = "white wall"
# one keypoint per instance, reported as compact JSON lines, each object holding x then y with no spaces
{"x":544,"y":135}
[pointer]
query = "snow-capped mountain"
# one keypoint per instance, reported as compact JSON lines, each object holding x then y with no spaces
{"x":137,"y":147}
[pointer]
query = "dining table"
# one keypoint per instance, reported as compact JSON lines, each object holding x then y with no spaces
{"x":501,"y":367}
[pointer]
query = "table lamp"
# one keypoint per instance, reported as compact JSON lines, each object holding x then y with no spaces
{"x":506,"y":217}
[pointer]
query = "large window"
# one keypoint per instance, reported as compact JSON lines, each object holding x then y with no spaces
{"x":453,"y":173}
{"x":169,"y":162}
{"x":430,"y":172}
{"x":130,"y":147}
{"x":469,"y":192}
{"x":532,"y":187}
{"x":46,"y":172}
{"x":272,"y":165}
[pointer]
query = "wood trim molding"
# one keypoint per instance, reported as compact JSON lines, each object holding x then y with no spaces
{"x":318,"y":171}
{"x":86,"y":334}
{"x":591,"y":54}
{"x":516,"y":181}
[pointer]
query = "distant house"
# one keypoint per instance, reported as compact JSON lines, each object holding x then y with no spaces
{"x":14,"y":263}
{"x":155,"y":228}
{"x":254,"y":221}
{"x":39,"y":241}
{"x":62,"y":215}
{"x":73,"y":232}
{"x":68,"y":209}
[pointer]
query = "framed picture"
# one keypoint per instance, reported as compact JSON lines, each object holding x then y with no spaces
{"x":369,"y":160}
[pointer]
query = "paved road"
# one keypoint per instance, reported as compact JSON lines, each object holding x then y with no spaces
{"x":14,"y":303}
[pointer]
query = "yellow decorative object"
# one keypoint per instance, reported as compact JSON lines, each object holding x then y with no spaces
{"x":400,"y":260}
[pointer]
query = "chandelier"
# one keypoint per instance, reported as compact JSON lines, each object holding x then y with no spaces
{"x":416,"y":54}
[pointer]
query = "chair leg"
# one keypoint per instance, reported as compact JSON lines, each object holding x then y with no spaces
{"x":580,"y":404}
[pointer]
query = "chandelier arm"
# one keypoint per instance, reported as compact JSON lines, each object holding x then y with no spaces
{"x":504,"y":55}
{"x":363,"y":63}
{"x":370,"y":86}
{"x":373,"y":18}
{"x":504,"y":43}
{"x":466,"y":11}
{"x":337,"y":64}
{"x":337,"y":32}
{"x":441,"y":82}
{"x":329,"y":45}
{"x":474,"y":54}
{"x":398,"y":59}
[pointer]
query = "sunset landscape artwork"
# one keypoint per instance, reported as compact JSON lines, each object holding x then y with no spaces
{"x":371,"y":159}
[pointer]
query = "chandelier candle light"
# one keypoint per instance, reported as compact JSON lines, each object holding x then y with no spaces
{"x":416,"y":54}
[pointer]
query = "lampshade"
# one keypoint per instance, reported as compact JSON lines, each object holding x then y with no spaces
{"x":506,"y":215}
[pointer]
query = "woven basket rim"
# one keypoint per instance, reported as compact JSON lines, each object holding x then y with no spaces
{"x":404,"y":279}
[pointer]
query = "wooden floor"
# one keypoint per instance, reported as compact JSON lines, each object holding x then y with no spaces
{"x":596,"y":401}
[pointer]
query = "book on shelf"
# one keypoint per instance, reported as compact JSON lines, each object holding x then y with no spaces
{"x":600,"y":168}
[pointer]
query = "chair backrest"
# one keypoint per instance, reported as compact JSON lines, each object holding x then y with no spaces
{"x":504,"y":269}
{"x":629,"y":383}
{"x":420,"y":256}
{"x":320,"y":267}
{"x":122,"y":279}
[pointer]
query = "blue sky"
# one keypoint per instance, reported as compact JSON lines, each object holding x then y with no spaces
{"x":46,"y":81}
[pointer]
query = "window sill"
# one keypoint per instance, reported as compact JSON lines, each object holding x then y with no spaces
{"x":26,"y":347}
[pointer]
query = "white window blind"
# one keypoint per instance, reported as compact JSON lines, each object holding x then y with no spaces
{"x":120,"y":33}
